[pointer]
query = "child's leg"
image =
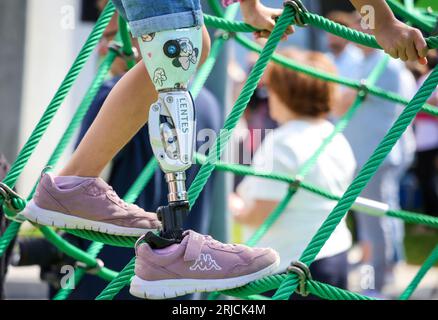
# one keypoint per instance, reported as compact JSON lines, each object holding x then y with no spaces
{"x":78,"y":200}
{"x":124,"y":112}
{"x":126,"y":109}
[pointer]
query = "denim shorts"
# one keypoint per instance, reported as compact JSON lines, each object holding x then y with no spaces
{"x":147,"y":16}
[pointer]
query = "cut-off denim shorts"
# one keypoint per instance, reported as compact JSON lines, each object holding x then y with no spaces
{"x":147,"y":16}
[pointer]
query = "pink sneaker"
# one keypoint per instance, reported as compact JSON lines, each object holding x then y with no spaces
{"x":198,"y":264}
{"x":88,"y":204}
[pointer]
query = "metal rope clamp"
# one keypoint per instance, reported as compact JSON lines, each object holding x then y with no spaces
{"x":303,"y":273}
{"x":363,"y":88}
{"x":8,"y":195}
{"x":296,"y":184}
{"x":118,"y":49}
{"x":91,"y":270}
{"x":226,"y":35}
{"x":300,"y":11}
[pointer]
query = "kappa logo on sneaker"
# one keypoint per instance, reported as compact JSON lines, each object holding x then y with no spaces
{"x":205,"y":263}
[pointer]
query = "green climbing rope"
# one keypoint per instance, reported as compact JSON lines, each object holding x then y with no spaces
{"x":80,"y":112}
{"x":417,"y":19}
{"x":121,"y":281}
{"x":329,"y":292}
{"x":216,"y":150}
{"x":428,"y":264}
{"x":72,"y":283}
{"x":130,"y":197}
{"x":373,"y":90}
{"x":76,"y":253}
{"x":310,"y":163}
{"x":240,"y":106}
{"x":359,"y":183}
{"x":315,"y":21}
{"x":410,"y":217}
{"x":8,"y":236}
{"x":232,"y":26}
{"x":74,"y":124}
{"x":61,"y":93}
{"x":68,"y":134}
{"x":286,"y":284}
{"x":103,"y":69}
{"x":94,"y":249}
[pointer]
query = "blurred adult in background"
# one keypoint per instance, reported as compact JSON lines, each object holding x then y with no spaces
{"x":426,"y":135}
{"x":344,"y":53}
{"x":300,"y":104}
{"x":381,"y":238}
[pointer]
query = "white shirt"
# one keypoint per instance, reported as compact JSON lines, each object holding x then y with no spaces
{"x":346,"y":62}
{"x":376,"y":115}
{"x":284,"y":151}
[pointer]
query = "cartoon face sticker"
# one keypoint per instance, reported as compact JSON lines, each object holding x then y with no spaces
{"x":179,"y":86}
{"x":188,"y":54}
{"x":159,"y":76}
{"x":148,"y":37}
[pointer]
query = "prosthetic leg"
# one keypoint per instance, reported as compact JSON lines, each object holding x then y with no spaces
{"x":171,"y":58}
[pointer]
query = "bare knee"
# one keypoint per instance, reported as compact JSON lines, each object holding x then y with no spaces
{"x":138,"y":84}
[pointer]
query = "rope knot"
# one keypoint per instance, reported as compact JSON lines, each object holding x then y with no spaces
{"x":303,"y":273}
{"x":363,"y":88}
{"x":222,"y":34}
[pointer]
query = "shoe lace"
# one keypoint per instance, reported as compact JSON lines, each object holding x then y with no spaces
{"x":218,"y":244}
{"x":116,"y":197}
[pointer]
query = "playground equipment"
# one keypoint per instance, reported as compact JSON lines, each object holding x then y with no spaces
{"x":298,"y":279}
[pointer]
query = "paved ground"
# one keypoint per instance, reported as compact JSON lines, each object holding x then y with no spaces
{"x":427,"y":290}
{"x":403,"y":274}
{"x":24,"y":283}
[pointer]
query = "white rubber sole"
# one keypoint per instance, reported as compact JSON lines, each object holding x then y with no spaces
{"x":56,"y":219}
{"x":164,"y":289}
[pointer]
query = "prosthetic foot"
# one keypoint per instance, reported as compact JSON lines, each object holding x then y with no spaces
{"x":174,"y":263}
{"x":171,"y":58}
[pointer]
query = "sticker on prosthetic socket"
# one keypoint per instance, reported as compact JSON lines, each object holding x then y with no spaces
{"x":171,"y":57}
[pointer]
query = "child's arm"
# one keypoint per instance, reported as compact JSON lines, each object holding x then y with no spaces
{"x":396,"y":38}
{"x":257,"y":15}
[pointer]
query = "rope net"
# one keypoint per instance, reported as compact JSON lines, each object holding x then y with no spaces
{"x":285,"y":284}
